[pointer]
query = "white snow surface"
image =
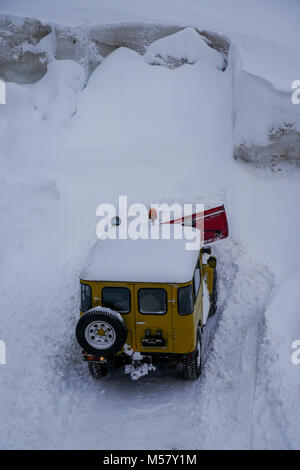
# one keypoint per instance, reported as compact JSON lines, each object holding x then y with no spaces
{"x":106,"y":309}
{"x":154,"y":134}
{"x":259,"y":109}
{"x":106,"y":110}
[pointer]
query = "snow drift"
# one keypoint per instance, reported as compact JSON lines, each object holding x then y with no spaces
{"x":154,"y":134}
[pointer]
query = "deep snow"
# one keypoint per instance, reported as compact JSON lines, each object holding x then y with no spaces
{"x":154,"y":134}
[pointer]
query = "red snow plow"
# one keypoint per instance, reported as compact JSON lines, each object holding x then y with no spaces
{"x":213,"y":222}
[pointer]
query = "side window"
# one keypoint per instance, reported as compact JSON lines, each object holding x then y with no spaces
{"x":86,"y":297}
{"x":197,"y":280}
{"x":152,"y":301}
{"x":185,"y":300}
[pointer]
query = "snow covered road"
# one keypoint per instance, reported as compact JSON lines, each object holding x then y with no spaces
{"x":154,"y":134}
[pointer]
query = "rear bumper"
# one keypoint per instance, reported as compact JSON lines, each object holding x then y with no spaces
{"x":152,"y":356}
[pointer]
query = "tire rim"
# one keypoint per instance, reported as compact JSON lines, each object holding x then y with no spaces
{"x":198,"y":353}
{"x":100,"y":335}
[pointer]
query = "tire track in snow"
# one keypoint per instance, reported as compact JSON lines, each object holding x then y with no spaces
{"x":221,"y":404}
{"x":268,"y":406}
{"x":214,"y":412}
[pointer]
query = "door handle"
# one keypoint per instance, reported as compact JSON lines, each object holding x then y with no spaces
{"x":140,"y":323}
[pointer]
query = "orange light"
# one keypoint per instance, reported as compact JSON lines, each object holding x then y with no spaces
{"x":152,"y":214}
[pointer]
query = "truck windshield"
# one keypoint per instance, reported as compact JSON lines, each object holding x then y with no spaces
{"x":116,"y":298}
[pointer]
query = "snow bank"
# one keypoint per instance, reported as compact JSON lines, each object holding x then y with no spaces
{"x":281,"y":356}
{"x":127,"y":101}
{"x":31,"y":124}
{"x":283,"y":327}
{"x":51,"y":100}
{"x":266,"y":124}
{"x":153,"y":133}
{"x":276,"y":22}
{"x":185,"y":46}
{"x":28,"y":45}
{"x":276,"y":63}
{"x":259,"y":109}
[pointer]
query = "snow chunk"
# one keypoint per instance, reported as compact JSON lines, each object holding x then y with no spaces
{"x":138,"y":372}
{"x":137,"y":368}
{"x":185,"y":46}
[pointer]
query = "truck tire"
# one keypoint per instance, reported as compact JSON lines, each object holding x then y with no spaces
{"x":101,"y":332}
{"x":98,"y":371}
{"x":192,"y":364}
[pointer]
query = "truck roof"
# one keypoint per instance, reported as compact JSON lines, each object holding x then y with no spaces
{"x":161,"y":261}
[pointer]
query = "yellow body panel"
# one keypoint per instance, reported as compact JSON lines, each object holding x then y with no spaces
{"x":179,"y":331}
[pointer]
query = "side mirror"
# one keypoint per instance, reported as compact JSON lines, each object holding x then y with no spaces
{"x":206,"y":250}
{"x":212,"y":262}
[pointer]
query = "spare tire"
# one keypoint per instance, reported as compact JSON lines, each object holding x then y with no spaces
{"x":101,"y":331}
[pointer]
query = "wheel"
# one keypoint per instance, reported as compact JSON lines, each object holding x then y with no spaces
{"x":192,"y":364}
{"x":101,"y":332}
{"x":213,"y":297}
{"x":98,"y":371}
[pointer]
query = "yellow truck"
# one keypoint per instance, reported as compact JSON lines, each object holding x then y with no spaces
{"x":146,"y":301}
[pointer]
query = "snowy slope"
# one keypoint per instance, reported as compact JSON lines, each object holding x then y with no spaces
{"x":272,"y":20}
{"x":154,"y":134}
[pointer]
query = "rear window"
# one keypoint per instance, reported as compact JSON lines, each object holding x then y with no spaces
{"x":116,"y":298}
{"x":185,"y":300}
{"x":152,"y":301}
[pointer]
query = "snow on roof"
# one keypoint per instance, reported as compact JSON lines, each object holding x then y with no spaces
{"x":140,"y":261}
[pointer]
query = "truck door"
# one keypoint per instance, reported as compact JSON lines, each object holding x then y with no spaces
{"x":153,"y":317}
{"x":120,"y":297}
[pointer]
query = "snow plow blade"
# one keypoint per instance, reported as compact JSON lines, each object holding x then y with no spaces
{"x":213,"y":222}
